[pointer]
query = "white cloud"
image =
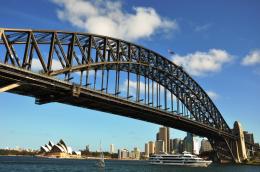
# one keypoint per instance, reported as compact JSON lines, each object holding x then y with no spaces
{"x":252,"y":58}
{"x":202,"y":63}
{"x":37,"y":66}
{"x":213,"y":95}
{"x":108,"y":18}
{"x":133,"y":87}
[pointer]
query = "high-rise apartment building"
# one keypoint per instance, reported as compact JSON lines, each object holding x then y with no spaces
{"x":205,"y":146}
{"x":191,"y":144}
{"x":175,"y":146}
{"x":164,"y":135}
{"x":151,"y":147}
{"x":135,"y":154}
{"x":249,"y":137}
{"x":123,"y":154}
{"x":146,"y":149}
{"x":112,"y":148}
{"x":159,"y":147}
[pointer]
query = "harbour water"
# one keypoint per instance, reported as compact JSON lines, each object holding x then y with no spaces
{"x":35,"y":164}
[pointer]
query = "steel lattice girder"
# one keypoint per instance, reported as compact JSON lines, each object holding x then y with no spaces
{"x":110,"y":54}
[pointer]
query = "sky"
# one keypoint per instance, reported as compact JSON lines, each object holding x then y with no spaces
{"x":216,"y":42}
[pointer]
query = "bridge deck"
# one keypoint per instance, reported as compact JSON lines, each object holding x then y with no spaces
{"x":46,"y":89}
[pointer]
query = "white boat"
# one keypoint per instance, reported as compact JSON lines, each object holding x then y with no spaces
{"x":184,"y":159}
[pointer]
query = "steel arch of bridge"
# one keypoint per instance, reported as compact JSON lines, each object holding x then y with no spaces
{"x":79,"y":53}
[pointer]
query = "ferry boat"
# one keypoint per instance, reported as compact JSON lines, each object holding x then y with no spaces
{"x":184,"y":159}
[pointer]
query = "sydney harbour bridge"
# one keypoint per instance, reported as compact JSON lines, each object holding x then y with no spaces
{"x":115,"y":76}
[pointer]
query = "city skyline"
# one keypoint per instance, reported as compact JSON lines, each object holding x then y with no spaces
{"x":231,"y":76}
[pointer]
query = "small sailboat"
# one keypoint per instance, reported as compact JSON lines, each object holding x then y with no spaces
{"x":101,"y":161}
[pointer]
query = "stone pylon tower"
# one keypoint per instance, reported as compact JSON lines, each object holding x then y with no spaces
{"x":240,"y":148}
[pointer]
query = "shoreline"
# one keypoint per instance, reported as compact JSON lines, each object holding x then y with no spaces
{"x":73,"y":158}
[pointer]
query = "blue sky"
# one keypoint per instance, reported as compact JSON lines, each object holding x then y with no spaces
{"x":217,"y":42}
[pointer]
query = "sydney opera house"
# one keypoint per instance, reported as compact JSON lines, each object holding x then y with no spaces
{"x":58,"y":150}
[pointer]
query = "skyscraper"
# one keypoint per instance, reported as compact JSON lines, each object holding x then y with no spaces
{"x":191,"y":144}
{"x":151,"y":147}
{"x":135,"y":154}
{"x":205,"y":146}
{"x":159,"y":146}
{"x":188,"y":143}
{"x":146,"y":150}
{"x":164,"y":135}
{"x":249,"y":137}
{"x":176,"y":145}
{"x":123,"y":154}
{"x":168,"y":140}
{"x":111,"y":148}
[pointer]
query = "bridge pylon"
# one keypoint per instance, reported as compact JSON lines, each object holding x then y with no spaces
{"x":239,"y":147}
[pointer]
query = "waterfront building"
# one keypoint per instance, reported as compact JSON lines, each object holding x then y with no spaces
{"x":168,"y":140}
{"x":249,"y":137}
{"x":205,"y":146}
{"x":119,"y":154}
{"x":188,"y":143}
{"x":175,"y":146}
{"x":146,"y":150}
{"x":191,"y":144}
{"x":196,"y":145}
{"x":181,"y":147}
{"x":58,"y":150}
{"x":123,"y":154}
{"x":135,"y":154}
{"x":157,"y":136}
{"x":151,"y":147}
{"x":111,"y":149}
{"x":159,"y":147}
{"x":164,"y":134}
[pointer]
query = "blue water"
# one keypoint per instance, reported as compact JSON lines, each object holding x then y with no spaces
{"x":34,"y":164}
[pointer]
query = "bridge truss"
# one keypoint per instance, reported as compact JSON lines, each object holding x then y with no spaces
{"x":110,"y":75}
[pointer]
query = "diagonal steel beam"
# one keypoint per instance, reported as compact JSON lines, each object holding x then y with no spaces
{"x":9,"y":87}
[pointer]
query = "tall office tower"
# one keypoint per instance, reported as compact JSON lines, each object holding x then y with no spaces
{"x":151,"y":147}
{"x":123,"y":154}
{"x":146,"y":150}
{"x":168,"y":140}
{"x":157,"y":136}
{"x":135,"y":154}
{"x":159,"y":146}
{"x":196,"y":145}
{"x":164,"y":134}
{"x":205,"y":146}
{"x":175,"y":146}
{"x":171,"y":145}
{"x":112,"y":148}
{"x":181,"y":146}
{"x":188,"y":143}
{"x":119,"y":154}
{"x":249,"y":137}
{"x":191,"y":144}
